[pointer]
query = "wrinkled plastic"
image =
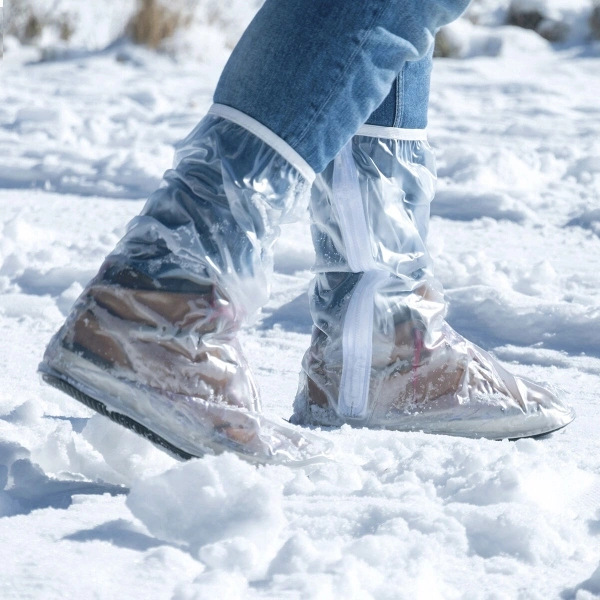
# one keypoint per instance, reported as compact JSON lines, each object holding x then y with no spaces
{"x":382,"y":354}
{"x":153,"y":336}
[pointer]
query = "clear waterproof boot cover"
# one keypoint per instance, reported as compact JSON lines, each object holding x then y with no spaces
{"x":382,"y":354}
{"x":153,"y":336}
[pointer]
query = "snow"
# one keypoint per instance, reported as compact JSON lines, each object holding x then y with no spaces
{"x":88,"y":509}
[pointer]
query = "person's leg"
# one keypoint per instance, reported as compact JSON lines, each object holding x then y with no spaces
{"x":406,"y":104}
{"x":382,"y":354}
{"x":151,"y":342}
{"x":313,"y":72}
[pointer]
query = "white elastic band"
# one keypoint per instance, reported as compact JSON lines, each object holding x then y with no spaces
{"x":266,"y":135}
{"x":393,"y":133}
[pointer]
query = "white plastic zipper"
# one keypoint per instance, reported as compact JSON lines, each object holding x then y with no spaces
{"x":357,"y":347}
{"x":357,"y":337}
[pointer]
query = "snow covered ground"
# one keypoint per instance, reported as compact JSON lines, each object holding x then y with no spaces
{"x":88,"y":510}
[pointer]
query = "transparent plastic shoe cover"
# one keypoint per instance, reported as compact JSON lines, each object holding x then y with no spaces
{"x":153,"y":336}
{"x":382,"y":354}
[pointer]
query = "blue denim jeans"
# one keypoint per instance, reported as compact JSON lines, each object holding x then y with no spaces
{"x":314,"y":71}
{"x":406,"y":104}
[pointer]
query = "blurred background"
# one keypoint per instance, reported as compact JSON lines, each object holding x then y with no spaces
{"x":202,"y":29}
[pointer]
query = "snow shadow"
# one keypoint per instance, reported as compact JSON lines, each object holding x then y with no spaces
{"x":105,"y":181}
{"x":54,"y":282}
{"x":462,"y":205}
{"x":77,"y":423}
{"x":24,"y":487}
{"x":121,"y":533}
{"x":589,"y":219}
{"x":594,"y":526}
{"x":591,"y":585}
{"x":489,"y":322}
{"x":485,"y":316}
{"x":293,"y":316}
{"x":32,"y":489}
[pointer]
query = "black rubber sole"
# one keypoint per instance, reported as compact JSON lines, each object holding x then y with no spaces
{"x":538,"y":436}
{"x":118,"y":418}
{"x":148,"y":434}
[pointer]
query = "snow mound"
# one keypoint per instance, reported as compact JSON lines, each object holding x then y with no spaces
{"x":127,"y":454}
{"x":227,"y":512}
{"x":463,"y":39}
{"x":374,"y":526}
{"x":556,"y":20}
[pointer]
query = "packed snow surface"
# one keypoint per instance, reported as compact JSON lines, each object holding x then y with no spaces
{"x":89,"y":510}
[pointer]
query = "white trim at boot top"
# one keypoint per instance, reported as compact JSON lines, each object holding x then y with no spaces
{"x":393,"y":133}
{"x":266,"y":135}
{"x":357,"y":336}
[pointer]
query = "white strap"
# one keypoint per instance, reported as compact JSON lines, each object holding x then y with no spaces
{"x":347,"y":199}
{"x":393,"y":133}
{"x":266,"y":135}
{"x":357,"y":335}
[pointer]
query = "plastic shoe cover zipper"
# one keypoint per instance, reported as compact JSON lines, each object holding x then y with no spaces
{"x":357,"y":338}
{"x":357,"y":347}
